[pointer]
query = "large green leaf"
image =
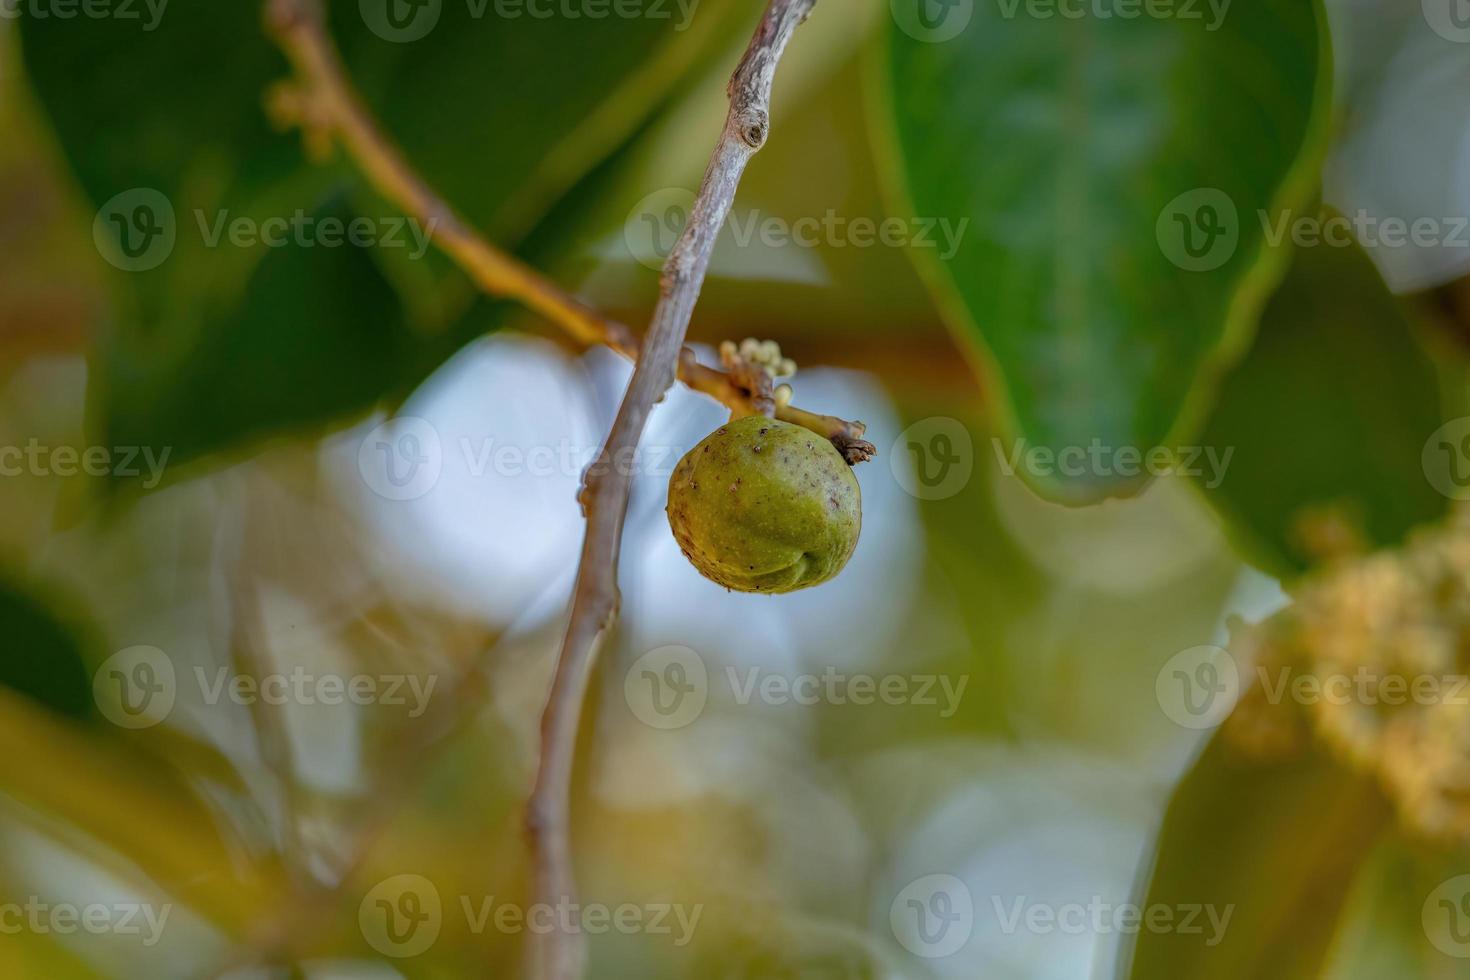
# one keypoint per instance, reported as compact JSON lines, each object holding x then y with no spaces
{"x":503,"y":108}
{"x":1111,"y":170}
{"x":319,"y":332}
{"x":1274,"y":844}
{"x":1331,"y":408}
{"x":215,"y":343}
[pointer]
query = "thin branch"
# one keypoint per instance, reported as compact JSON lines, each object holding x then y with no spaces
{"x":562,"y":956}
{"x":327,"y":106}
{"x":323,"y":101}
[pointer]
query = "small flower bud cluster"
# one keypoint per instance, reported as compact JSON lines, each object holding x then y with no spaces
{"x":1393,"y":630}
{"x":760,"y":353}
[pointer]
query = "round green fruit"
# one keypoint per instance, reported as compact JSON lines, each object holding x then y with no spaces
{"x":765,"y":506}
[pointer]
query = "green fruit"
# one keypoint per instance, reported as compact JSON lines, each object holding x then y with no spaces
{"x":765,"y":506}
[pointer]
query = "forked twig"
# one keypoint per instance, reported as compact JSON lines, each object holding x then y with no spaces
{"x":324,"y":102}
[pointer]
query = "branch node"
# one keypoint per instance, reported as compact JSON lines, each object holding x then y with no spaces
{"x":754,"y":125}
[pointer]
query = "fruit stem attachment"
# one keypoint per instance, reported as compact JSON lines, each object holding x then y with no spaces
{"x":323,"y":103}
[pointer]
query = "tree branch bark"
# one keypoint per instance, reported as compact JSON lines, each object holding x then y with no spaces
{"x":563,"y":956}
{"x":324,"y":102}
{"x":327,"y":106}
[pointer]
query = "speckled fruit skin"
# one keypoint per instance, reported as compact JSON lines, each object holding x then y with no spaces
{"x":765,"y":506}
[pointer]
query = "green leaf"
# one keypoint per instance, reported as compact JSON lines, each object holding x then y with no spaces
{"x":1331,"y":408}
{"x":503,"y":110}
{"x":42,"y":657}
{"x":318,"y":333}
{"x":215,"y":344}
{"x":1405,"y":916}
{"x":211,"y":342}
{"x":1274,"y":843}
{"x":1080,"y":152}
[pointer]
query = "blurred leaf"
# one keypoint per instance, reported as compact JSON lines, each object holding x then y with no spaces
{"x":1274,"y":843}
{"x":134,"y":806}
{"x":43,"y":658}
{"x":1382,"y":932}
{"x":211,"y":342}
{"x":1088,"y":157}
{"x":318,"y":334}
{"x":215,"y":343}
{"x":504,"y":112}
{"x":1331,"y":407}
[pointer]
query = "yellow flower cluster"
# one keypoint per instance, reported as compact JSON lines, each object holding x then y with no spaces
{"x":1373,"y":658}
